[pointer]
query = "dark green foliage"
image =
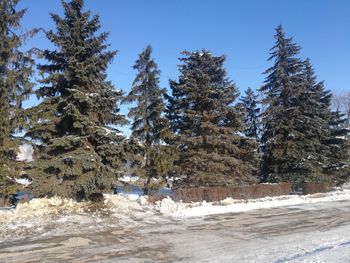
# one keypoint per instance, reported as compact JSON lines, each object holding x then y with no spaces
{"x":207,"y":124}
{"x":15,"y":87}
{"x":339,"y":150}
{"x":79,"y":153}
{"x":283,"y":85}
{"x":150,"y":130}
{"x":252,"y":119}
{"x":252,"y":114}
{"x":312,"y":124}
{"x":302,"y":141}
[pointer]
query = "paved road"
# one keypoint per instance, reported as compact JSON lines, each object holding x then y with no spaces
{"x":312,"y":233}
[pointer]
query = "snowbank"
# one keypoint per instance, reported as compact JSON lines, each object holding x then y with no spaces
{"x":126,"y":203}
{"x":41,"y":207}
{"x":171,"y":208}
{"x":131,"y":205}
{"x":134,"y":204}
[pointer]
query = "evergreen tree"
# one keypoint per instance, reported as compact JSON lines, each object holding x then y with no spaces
{"x":302,"y":140}
{"x":150,"y":129}
{"x":16,"y":68}
{"x":207,"y":124}
{"x":339,"y":144}
{"x":252,"y":114}
{"x":283,"y":85}
{"x":79,"y":149}
{"x":252,"y":121}
{"x":312,"y":124}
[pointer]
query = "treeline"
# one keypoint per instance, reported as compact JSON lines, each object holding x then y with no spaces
{"x":201,"y":132}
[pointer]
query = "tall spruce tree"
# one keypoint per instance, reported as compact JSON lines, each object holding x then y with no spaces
{"x":16,"y":69}
{"x":312,"y":124}
{"x":207,"y":124}
{"x":252,"y":114}
{"x":252,"y":122}
{"x":79,"y":149}
{"x":302,"y":140}
{"x":150,"y":130}
{"x":339,"y":149}
{"x":283,"y":85}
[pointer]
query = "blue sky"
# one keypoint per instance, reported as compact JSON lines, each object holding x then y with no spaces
{"x":242,"y":30}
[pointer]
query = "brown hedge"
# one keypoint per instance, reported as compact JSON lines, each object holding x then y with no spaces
{"x":217,"y":193}
{"x":312,"y":188}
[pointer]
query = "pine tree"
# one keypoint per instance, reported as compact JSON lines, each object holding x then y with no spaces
{"x":283,"y":85}
{"x":149,"y":128}
{"x":79,"y":148}
{"x":252,"y":114}
{"x":207,"y":124}
{"x":16,"y":69}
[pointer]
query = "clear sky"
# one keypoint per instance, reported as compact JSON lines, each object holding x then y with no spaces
{"x":242,"y":30}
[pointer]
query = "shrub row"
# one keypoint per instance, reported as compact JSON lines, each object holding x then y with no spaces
{"x":312,"y":188}
{"x":217,"y":193}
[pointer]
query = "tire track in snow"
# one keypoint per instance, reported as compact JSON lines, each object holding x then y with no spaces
{"x":312,"y":252}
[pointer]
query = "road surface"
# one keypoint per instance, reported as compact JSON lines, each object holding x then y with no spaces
{"x":310,"y":233}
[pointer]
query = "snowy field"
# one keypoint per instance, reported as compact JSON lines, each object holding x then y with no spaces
{"x":129,"y":228}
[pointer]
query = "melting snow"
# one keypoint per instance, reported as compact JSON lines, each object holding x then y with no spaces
{"x":169,"y":207}
{"x":128,"y":179}
{"x":132,"y":204}
{"x":25,"y":153}
{"x":40,"y":207}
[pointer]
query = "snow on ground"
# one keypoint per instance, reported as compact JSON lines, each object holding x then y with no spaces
{"x":127,"y":204}
{"x":40,"y":215}
{"x":130,"y":227}
{"x":129,"y":179}
{"x":40,"y":207}
{"x":169,"y":207}
{"x":131,"y":204}
{"x":25,"y":153}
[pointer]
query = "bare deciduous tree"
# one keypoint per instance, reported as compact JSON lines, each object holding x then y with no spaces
{"x":341,"y":103}
{"x":336,"y":102}
{"x":345,"y":101}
